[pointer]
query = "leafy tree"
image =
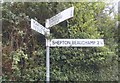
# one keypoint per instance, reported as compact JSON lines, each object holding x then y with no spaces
{"x":24,"y":49}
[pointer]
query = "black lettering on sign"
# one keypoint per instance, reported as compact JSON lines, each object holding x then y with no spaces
{"x":97,"y":42}
{"x":74,"y":42}
{"x":83,"y":42}
{"x":55,"y":42}
{"x":79,"y":42}
{"x":68,"y":42}
{"x":55,"y":19}
{"x":87,"y":42}
{"x":60,"y":42}
{"x":92,"y":42}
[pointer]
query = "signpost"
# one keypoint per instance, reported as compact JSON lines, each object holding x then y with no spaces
{"x":66,"y":14}
{"x":76,"y":43}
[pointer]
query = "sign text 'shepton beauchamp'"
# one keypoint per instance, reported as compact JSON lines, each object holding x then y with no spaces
{"x":76,"y":42}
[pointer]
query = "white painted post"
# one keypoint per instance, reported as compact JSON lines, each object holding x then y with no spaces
{"x":47,"y":57}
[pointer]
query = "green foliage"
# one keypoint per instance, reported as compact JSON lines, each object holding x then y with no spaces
{"x":26,"y":48}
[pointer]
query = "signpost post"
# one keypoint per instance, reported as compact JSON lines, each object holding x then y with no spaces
{"x":47,"y":57}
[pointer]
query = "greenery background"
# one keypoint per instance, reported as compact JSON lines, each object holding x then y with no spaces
{"x":23,"y":50}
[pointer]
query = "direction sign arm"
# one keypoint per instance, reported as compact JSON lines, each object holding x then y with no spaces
{"x":64,"y":15}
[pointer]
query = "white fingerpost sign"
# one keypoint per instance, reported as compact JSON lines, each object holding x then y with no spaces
{"x":38,"y":27}
{"x":66,"y":14}
{"x":76,"y":43}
